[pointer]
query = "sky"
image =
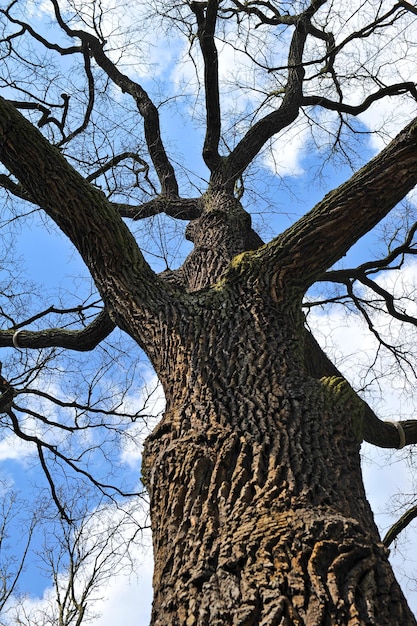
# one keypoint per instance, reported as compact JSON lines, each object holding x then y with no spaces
{"x":50,"y":262}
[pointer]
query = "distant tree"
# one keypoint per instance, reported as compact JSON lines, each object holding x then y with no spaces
{"x":80,"y":559}
{"x":11,"y":564}
{"x":258,"y":510}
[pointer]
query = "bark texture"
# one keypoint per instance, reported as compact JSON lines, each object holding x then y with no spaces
{"x":258,"y":510}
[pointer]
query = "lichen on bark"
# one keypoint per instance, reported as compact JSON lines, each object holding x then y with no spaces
{"x":340,"y":396}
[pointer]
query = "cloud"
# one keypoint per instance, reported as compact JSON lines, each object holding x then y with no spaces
{"x":128,"y":601}
{"x":390,"y":115}
{"x":14,"y":449}
{"x":150,"y":403}
{"x":286,"y":152}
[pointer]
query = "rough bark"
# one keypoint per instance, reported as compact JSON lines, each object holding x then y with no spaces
{"x":258,"y":510}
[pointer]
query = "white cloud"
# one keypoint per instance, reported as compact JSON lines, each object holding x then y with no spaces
{"x":37,"y":9}
{"x":286,"y":152}
{"x":128,"y":601}
{"x":391,"y":116}
{"x":14,"y":449}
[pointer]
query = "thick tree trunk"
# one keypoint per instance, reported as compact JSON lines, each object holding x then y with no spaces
{"x":258,"y":510}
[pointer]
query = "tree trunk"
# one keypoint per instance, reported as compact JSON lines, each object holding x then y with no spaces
{"x":259,"y":514}
{"x":258,"y":510}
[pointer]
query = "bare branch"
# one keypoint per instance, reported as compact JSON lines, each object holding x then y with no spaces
{"x":342,"y":107}
{"x":399,"y":526}
{"x":206,"y":15}
{"x":42,"y":446}
{"x":408,"y":6}
{"x":26,"y":27}
{"x":180,"y":208}
{"x":81,"y":340}
{"x":253,"y":8}
{"x":374,"y":266}
{"x":85,"y":215}
{"x":91,"y":98}
{"x":15,"y":188}
{"x":328,"y":231}
{"x":11,"y":571}
{"x":50,"y":480}
{"x":375,"y":431}
{"x":46,"y":117}
{"x":256,"y":137}
{"x":146,"y":107}
{"x":114,"y":161}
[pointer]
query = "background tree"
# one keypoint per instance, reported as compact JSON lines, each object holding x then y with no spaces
{"x":258,"y":510}
{"x":80,"y":558}
{"x":11,"y":565}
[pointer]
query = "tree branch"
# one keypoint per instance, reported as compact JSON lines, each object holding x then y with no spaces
{"x":90,"y":103}
{"x":342,"y":107}
{"x":15,"y":188}
{"x":256,"y":137}
{"x":375,"y":431}
{"x":81,"y":340}
{"x":50,"y":46}
{"x":252,"y":8}
{"x":114,"y":161}
{"x":179,"y":208}
{"x":321,"y":237}
{"x":206,"y":15}
{"x":41,"y":446}
{"x":402,"y":523}
{"x":46,"y":117}
{"x":146,"y":107}
{"x":408,"y":6}
{"x":371,"y":267}
{"x":85,"y":216}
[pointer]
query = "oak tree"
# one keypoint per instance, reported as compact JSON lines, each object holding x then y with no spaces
{"x":258,"y":509}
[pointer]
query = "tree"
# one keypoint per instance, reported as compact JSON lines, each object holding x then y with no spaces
{"x":10,"y":565}
{"x":80,"y":559}
{"x":258,"y":510}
